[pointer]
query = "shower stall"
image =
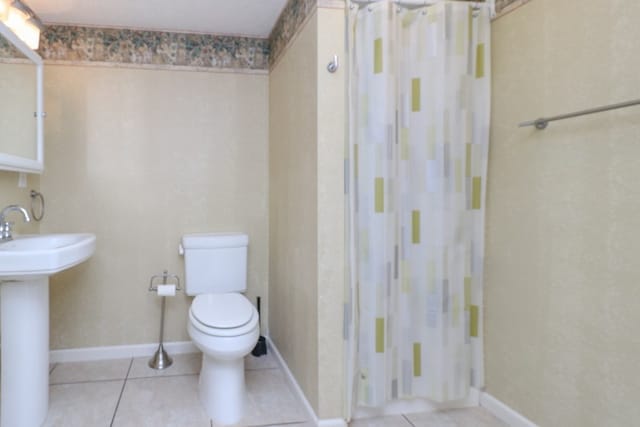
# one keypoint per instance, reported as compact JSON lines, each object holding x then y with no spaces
{"x":419,"y":105}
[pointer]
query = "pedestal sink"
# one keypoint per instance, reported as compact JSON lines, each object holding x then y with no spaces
{"x":26,"y":262}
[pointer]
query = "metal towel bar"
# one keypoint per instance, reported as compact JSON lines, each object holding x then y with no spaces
{"x":543,"y":122}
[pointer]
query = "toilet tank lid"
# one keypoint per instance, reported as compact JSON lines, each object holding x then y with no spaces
{"x":214,"y":240}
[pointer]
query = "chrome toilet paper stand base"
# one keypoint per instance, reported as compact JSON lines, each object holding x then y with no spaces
{"x":161,"y":360}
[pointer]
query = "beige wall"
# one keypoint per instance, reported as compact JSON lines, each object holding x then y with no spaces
{"x":563,"y":222}
{"x":140,"y":157}
{"x":306,"y":157}
{"x":293,"y":220}
{"x":331,"y":214}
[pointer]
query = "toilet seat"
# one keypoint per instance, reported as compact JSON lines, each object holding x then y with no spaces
{"x":223,"y":315}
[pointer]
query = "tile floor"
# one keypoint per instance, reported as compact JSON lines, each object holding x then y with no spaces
{"x":126,"y":392}
{"x":468,"y":417}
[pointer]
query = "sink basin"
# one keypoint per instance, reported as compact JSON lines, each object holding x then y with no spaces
{"x":32,"y":255}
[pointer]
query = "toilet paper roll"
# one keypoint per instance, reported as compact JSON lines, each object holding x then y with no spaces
{"x":166,"y":290}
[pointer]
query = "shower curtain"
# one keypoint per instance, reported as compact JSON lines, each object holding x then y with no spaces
{"x":419,"y":133}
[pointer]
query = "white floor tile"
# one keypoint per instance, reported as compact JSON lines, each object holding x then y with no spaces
{"x":270,"y":399}
{"x":74,"y":372}
{"x":388,"y":421}
{"x":475,"y":417}
{"x":467,"y":417}
{"x":432,"y":419}
{"x":183,"y":364}
{"x":87,"y":394}
{"x":161,"y":401}
{"x":306,"y":424}
{"x":267,"y":361}
{"x":84,"y":404}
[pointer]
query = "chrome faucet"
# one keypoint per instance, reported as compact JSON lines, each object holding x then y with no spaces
{"x":5,"y":226}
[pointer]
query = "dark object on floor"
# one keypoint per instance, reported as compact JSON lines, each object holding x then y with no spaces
{"x":261,"y":347}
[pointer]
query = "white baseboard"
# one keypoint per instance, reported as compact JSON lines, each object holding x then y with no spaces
{"x":503,"y":412}
{"x":118,"y":351}
{"x":327,"y":422}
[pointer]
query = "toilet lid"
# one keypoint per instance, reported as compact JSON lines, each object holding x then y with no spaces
{"x":222,"y":310}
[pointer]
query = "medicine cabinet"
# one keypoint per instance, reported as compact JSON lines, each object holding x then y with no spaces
{"x":21,"y":105}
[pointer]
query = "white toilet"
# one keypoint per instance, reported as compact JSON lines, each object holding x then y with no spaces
{"x":223,"y":324}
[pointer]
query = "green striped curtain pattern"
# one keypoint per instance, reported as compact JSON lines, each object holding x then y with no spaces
{"x":420,"y":101}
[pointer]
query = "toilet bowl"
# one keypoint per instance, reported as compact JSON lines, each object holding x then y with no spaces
{"x":223,"y":324}
{"x":225,"y":328}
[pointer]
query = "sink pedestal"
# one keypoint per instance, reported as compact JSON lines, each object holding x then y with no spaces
{"x":26,"y":263}
{"x":24,"y":310}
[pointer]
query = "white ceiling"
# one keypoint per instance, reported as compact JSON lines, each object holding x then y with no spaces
{"x":253,"y":18}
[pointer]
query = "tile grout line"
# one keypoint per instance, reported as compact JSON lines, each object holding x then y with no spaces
{"x":162,"y":376}
{"x":107,"y":380}
{"x":288,"y":423}
{"x":146,"y":377}
{"x":408,"y":420}
{"x":124,"y":383}
{"x":260,"y":369}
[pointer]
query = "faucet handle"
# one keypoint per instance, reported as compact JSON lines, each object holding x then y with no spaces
{"x":5,"y":230}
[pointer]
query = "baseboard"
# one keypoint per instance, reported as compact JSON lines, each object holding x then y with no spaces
{"x":118,"y":351}
{"x":503,"y":412}
{"x":326,"y":422}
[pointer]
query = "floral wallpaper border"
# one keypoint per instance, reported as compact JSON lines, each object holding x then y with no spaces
{"x":8,"y":51}
{"x":60,"y":43}
{"x":296,"y":12}
{"x":124,"y":46}
{"x":288,"y":24}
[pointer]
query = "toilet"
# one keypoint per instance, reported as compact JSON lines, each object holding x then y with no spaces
{"x":223,"y":324}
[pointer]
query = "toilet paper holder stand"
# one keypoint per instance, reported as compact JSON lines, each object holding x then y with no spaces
{"x":161,"y":360}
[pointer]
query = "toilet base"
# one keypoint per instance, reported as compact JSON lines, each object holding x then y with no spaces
{"x":221,"y":389}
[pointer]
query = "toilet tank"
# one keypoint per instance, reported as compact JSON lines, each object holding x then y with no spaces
{"x":215,"y":262}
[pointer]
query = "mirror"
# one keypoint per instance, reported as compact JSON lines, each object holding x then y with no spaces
{"x":21,"y":108}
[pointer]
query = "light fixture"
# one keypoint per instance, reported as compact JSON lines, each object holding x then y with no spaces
{"x":22,"y":21}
